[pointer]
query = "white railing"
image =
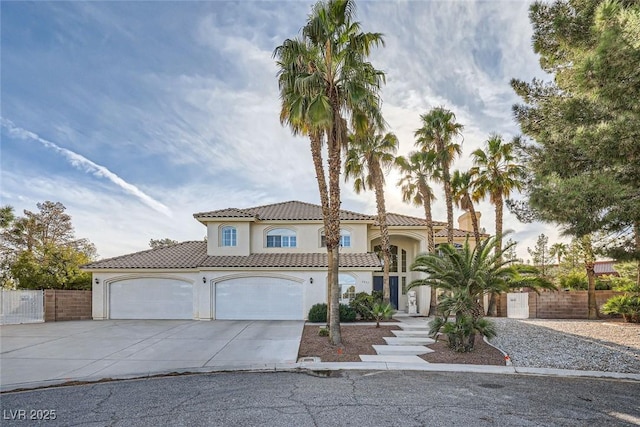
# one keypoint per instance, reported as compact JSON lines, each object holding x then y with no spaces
{"x":21,"y":306}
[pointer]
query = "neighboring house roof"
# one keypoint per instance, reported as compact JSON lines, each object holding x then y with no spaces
{"x":194,"y":255}
{"x":601,"y":268}
{"x":285,"y":211}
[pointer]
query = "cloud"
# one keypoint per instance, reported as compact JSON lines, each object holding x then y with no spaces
{"x":82,"y":163}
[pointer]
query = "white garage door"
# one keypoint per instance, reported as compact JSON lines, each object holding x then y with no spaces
{"x":151,"y":298}
{"x":259,"y":298}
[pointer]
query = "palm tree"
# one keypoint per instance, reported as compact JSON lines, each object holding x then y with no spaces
{"x":417,"y":169}
{"x":327,"y":84}
{"x":462,"y":189}
{"x":496,"y":174}
{"x":369,"y":153}
{"x":558,"y":250}
{"x":438,"y":130}
{"x":466,"y":275}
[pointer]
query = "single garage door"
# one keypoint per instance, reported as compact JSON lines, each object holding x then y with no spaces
{"x":151,"y":298}
{"x":259,"y":298}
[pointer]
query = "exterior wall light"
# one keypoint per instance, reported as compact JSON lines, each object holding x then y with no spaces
{"x":97,"y":281}
{"x":311,"y":280}
{"x":204,"y":279}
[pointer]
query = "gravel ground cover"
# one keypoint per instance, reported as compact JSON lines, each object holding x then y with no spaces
{"x":602,"y":345}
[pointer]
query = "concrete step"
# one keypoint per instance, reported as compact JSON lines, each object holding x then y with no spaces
{"x":411,"y":333}
{"x":413,"y":327}
{"x":391,"y":358}
{"x":408,"y":341}
{"x":401,"y":350}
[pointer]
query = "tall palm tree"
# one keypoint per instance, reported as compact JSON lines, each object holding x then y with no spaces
{"x":369,"y":154}
{"x":558,"y":250}
{"x":496,"y":174}
{"x":327,"y":84}
{"x":417,"y":170}
{"x":462,"y":189}
{"x":439,"y":128}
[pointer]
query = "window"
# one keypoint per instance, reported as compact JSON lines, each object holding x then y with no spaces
{"x":281,"y":238}
{"x":347,"y":288}
{"x":345,"y":239}
{"x":229,"y":236}
{"x":404,"y":261}
{"x":393,"y":266}
{"x":404,"y":285}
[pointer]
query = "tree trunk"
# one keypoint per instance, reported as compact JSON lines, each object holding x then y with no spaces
{"x":315,"y":139}
{"x":376,"y":172}
{"x":474,"y":223}
{"x":589,"y":262}
{"x":492,"y":310}
{"x":431,"y":241}
{"x":332,"y":230}
{"x":449,"y":201}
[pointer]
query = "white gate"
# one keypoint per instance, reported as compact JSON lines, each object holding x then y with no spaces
{"x":518,"y":305}
{"x":21,"y":306}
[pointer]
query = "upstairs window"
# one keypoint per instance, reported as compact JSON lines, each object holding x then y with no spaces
{"x":281,"y":238}
{"x":345,"y":239}
{"x":229,"y":236}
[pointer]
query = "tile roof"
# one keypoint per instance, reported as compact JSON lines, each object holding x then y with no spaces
{"x":605,"y":267}
{"x":456,"y":233}
{"x":181,"y":255}
{"x":194,"y":255}
{"x":298,"y":260}
{"x":398,"y":220}
{"x":285,"y":211}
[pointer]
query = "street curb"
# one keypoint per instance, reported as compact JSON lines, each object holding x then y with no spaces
{"x":327,"y":367}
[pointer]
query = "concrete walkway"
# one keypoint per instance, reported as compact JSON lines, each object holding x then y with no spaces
{"x":58,"y":352}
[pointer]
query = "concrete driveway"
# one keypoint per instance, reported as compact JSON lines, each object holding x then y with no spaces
{"x":31,"y":354}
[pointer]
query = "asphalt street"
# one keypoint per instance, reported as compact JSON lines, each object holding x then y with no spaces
{"x":357,"y":398}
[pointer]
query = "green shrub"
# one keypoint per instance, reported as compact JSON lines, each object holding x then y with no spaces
{"x":318,"y":313}
{"x":575,"y":280}
{"x":347,"y":314}
{"x":363,"y":304}
{"x":626,"y":305}
{"x":323,"y":332}
{"x":381,"y":311}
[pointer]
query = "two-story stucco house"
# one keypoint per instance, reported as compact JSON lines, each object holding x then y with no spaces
{"x":265,"y":262}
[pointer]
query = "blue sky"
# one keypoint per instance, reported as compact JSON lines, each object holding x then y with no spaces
{"x":135,"y":115}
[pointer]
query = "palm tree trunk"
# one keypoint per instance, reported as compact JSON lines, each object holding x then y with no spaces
{"x":493,"y":299}
{"x":449,"y":201}
{"x":378,"y":183}
{"x":332,"y":232}
{"x":474,"y":223}
{"x":431,"y":241}
{"x":636,"y":230}
{"x":589,"y":263}
{"x":315,"y":139}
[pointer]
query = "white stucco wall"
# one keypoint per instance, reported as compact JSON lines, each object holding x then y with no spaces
{"x":243,"y":239}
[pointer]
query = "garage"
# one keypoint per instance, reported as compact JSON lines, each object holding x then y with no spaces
{"x":151,"y":298}
{"x":258,"y":298}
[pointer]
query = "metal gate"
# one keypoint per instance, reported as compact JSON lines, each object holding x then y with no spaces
{"x":518,"y":305}
{"x":21,"y":307}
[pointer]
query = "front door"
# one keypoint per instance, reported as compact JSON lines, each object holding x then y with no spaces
{"x":393,"y":288}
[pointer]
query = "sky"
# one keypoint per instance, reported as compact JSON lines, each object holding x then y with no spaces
{"x":135,"y":115}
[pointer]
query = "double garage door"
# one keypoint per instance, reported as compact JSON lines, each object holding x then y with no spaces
{"x":250,"y":298}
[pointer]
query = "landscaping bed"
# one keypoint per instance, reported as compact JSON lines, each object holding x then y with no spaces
{"x":359,"y":339}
